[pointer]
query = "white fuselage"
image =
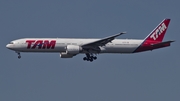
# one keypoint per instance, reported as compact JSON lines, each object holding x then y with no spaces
{"x":116,"y":46}
{"x":69,"y":47}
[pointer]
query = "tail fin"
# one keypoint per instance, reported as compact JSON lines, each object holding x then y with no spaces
{"x":158,"y":33}
{"x":154,"y":39}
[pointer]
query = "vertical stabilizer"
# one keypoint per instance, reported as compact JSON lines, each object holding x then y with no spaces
{"x":158,"y":33}
{"x":155,"y":38}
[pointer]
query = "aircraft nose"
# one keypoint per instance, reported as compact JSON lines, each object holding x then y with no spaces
{"x":8,"y":46}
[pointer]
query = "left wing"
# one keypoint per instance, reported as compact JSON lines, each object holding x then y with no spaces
{"x":101,"y":42}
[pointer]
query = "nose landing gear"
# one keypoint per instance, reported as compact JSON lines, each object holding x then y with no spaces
{"x":89,"y":57}
{"x":19,"y":55}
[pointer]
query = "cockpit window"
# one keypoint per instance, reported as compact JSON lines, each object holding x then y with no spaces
{"x":11,"y":42}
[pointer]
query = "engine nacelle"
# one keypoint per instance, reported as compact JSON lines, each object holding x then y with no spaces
{"x":73,"y":49}
{"x":65,"y":55}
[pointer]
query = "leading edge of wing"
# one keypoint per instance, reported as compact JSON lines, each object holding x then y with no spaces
{"x":103,"y":41}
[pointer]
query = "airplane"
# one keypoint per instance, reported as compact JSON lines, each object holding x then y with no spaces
{"x":69,"y":47}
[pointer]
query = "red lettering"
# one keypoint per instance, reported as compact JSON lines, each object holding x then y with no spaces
{"x":38,"y":43}
{"x":46,"y":44}
{"x":49,"y":45}
{"x":29,"y":43}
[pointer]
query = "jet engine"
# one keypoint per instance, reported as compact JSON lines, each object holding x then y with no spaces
{"x":73,"y":49}
{"x":65,"y":55}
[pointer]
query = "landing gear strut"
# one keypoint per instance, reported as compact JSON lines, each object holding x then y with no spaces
{"x":19,"y":55}
{"x":89,"y":57}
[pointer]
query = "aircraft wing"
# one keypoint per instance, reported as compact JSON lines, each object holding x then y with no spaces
{"x":101,"y":42}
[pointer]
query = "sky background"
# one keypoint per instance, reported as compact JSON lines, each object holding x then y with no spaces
{"x":147,"y":76}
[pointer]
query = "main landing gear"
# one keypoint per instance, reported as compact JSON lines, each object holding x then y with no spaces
{"x":19,"y":55}
{"x":89,"y":57}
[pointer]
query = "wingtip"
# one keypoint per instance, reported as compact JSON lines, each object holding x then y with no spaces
{"x":123,"y":32}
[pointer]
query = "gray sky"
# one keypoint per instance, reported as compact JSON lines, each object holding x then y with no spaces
{"x":147,"y":76}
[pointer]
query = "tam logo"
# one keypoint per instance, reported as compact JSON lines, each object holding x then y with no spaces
{"x":158,"y":31}
{"x":41,"y":44}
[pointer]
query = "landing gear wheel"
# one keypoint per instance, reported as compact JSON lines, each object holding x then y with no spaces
{"x":89,"y":57}
{"x":19,"y":57}
{"x":85,"y":58}
{"x":95,"y":58}
{"x":91,"y":60}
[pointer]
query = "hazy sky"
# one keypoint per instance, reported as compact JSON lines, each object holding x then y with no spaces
{"x":147,"y":76}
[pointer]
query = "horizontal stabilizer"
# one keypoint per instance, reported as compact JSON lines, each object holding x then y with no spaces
{"x":166,"y":43}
